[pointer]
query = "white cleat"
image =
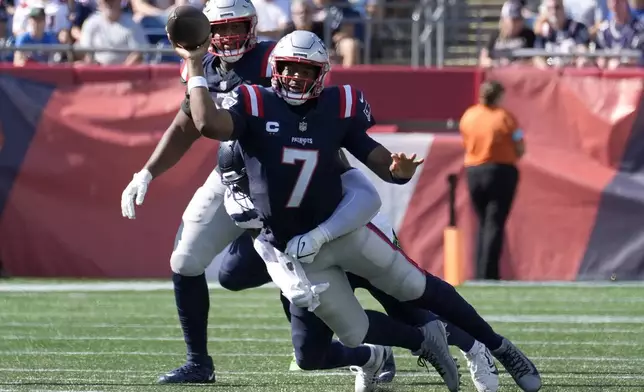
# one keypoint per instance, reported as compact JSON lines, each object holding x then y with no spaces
{"x":480,"y":363}
{"x":367,"y":375}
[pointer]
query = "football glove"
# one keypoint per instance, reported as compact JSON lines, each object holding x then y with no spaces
{"x":135,"y":191}
{"x":305,"y":296}
{"x":305,"y":247}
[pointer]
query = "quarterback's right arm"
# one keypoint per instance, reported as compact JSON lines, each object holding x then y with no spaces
{"x":210,"y":121}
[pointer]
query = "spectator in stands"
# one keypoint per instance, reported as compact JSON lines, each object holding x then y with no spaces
{"x":153,"y":8}
{"x":5,"y":37}
{"x":370,"y":8}
{"x":271,"y":20}
{"x":35,"y":35}
{"x":493,"y":145}
{"x":558,"y":34}
{"x":623,"y":31}
{"x":343,"y":45}
{"x":115,"y":29}
{"x":511,"y":35}
{"x":586,"y":12}
{"x":83,"y":10}
{"x":57,"y":15}
{"x":637,"y":9}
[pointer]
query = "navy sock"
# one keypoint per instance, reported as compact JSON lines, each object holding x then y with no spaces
{"x":459,"y":338}
{"x":339,"y":355}
{"x":385,"y":331}
{"x":193,"y":302}
{"x":441,"y":298}
{"x":401,"y":311}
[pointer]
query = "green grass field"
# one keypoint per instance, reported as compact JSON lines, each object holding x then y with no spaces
{"x":582,"y":338}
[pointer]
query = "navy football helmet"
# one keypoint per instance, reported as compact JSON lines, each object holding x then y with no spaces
{"x":232,"y":168}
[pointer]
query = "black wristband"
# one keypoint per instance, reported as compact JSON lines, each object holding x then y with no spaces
{"x":398,"y":181}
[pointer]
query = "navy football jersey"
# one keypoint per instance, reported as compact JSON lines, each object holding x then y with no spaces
{"x":291,"y":153}
{"x":252,"y":68}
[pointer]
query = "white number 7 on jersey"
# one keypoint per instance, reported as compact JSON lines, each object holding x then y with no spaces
{"x":309,"y":159}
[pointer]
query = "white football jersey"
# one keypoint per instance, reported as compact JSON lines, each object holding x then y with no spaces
{"x":242,"y":211}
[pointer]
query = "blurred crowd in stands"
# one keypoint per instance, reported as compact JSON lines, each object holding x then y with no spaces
{"x":563,"y":27}
{"x":555,"y":26}
{"x":133,"y":24}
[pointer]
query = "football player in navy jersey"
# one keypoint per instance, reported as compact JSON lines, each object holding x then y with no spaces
{"x":234,"y":57}
{"x":312,"y":343}
{"x":290,"y":135}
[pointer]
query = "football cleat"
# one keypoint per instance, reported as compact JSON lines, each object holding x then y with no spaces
{"x":294,"y":367}
{"x":480,"y":363}
{"x":388,"y":371}
{"x":436,"y":351}
{"x":522,"y":370}
{"x":190,"y":373}
{"x":367,"y":375}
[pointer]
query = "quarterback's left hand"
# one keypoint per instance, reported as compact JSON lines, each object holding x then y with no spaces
{"x":305,"y":247}
{"x":404,"y":167}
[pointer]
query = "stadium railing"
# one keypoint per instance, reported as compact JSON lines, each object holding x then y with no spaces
{"x":155,"y":52}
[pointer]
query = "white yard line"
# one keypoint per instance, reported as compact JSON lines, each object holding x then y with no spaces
{"x":277,"y":340}
{"x":493,"y":318}
{"x":285,"y":327}
{"x":97,"y":287}
{"x":257,"y":354}
{"x":89,"y":286}
{"x":585,"y":284}
{"x":546,"y":376}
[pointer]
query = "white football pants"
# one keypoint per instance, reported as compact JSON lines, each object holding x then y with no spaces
{"x":206,"y":229}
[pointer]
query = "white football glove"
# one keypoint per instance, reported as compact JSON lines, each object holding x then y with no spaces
{"x":306,"y":296}
{"x":135,"y":190}
{"x":305,"y":247}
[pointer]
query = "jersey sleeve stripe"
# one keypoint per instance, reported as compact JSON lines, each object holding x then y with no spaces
{"x":343,"y":102}
{"x":246,"y":93}
{"x":259,"y":103}
{"x":348,"y":99}
{"x":266,"y":65}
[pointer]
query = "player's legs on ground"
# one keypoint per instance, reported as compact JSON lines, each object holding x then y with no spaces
{"x":205,"y":231}
{"x":340,"y":310}
{"x":479,"y":359}
{"x":241,"y":267}
{"x":315,"y":350}
{"x":390,"y":270}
